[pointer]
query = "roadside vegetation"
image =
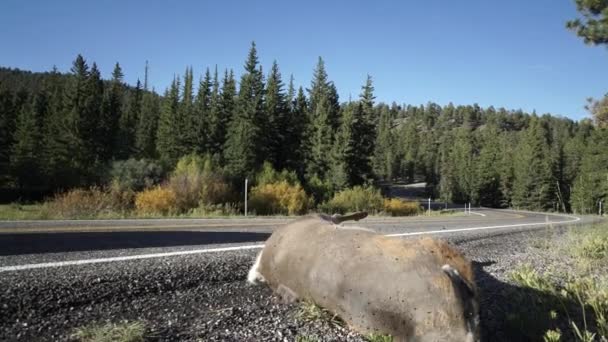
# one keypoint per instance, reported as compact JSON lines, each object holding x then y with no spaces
{"x":197,"y":187}
{"x":566,"y":300}
{"x":111,"y":332}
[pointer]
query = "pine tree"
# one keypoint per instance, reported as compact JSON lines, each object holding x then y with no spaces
{"x":227,"y":107}
{"x":244,"y":148}
{"x":6,"y":131}
{"x":591,"y":184}
{"x":111,"y":114}
{"x":191,"y":115}
{"x":167,"y":142}
{"x":26,"y":152}
{"x":277,"y":123}
{"x":295,"y":145}
{"x":216,"y":127}
{"x":487,"y":172}
{"x":127,"y":125}
{"x":147,"y":126}
{"x":324,"y":116}
{"x":384,"y":160}
{"x":533,"y":183}
{"x":343,"y":161}
{"x":364,"y":135}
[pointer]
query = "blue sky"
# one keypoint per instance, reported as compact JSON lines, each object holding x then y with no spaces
{"x":513,"y":54}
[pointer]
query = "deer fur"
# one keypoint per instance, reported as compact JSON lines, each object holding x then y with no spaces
{"x":413,"y":289}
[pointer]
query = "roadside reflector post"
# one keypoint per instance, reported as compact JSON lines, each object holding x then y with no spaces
{"x":246,"y":181}
{"x":429,"y":206}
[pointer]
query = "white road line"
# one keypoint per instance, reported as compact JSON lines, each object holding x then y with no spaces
{"x":123,"y":258}
{"x":443,"y":231}
{"x":258,"y":246}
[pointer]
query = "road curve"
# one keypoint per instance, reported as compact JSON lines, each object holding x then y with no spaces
{"x":39,"y":244}
{"x":186,"y":278}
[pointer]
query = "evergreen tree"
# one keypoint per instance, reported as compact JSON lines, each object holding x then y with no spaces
{"x":277,"y":123}
{"x":296,"y":145}
{"x":6,"y":131}
{"x":533,"y":183}
{"x":243,"y":145}
{"x":591,"y":184}
{"x":167,"y":142}
{"x":227,"y":108}
{"x":217,"y":128}
{"x":147,"y":126}
{"x":191,"y":116}
{"x":384,"y":160}
{"x":26,"y":151}
{"x":112,"y":141}
{"x":127,"y":125}
{"x":321,"y":141}
{"x":487,"y":172}
{"x":324,"y":116}
{"x":344,"y":162}
{"x":593,"y":27}
{"x":364,"y":135}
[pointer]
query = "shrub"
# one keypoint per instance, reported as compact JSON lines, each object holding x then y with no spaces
{"x":398,"y":207}
{"x":356,"y":199}
{"x":196,"y":182}
{"x":279,"y":198}
{"x":158,"y":200}
{"x":135,"y":175}
{"x":593,"y":245}
{"x":268,"y":175}
{"x":321,"y":190}
{"x":80,"y":203}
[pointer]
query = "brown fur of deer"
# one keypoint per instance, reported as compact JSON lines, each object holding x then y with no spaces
{"x":413,"y":289}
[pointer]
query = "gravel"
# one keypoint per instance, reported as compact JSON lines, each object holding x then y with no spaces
{"x":205,"y":297}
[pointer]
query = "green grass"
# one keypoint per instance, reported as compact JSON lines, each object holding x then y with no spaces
{"x":302,"y":338}
{"x":111,"y":332}
{"x":16,"y":211}
{"x":378,"y":338}
{"x":310,"y":312}
{"x":578,"y":302}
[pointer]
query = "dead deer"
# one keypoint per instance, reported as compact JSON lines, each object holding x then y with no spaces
{"x":413,"y":289}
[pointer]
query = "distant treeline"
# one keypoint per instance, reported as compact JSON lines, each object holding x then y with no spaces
{"x":60,"y":131}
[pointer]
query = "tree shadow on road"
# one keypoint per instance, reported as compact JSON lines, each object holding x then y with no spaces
{"x":34,"y":243}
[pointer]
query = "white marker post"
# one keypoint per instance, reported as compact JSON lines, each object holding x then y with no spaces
{"x":246,"y":180}
{"x":429,"y":206}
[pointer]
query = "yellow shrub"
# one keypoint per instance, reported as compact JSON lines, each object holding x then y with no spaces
{"x":398,"y":207}
{"x":158,"y":200}
{"x":80,"y":203}
{"x":355,"y":199}
{"x":279,"y":198}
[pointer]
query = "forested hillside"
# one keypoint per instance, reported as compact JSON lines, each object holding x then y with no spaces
{"x":59,"y":131}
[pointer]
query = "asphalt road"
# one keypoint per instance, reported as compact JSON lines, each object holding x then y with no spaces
{"x":186,"y":278}
{"x":34,"y":242}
